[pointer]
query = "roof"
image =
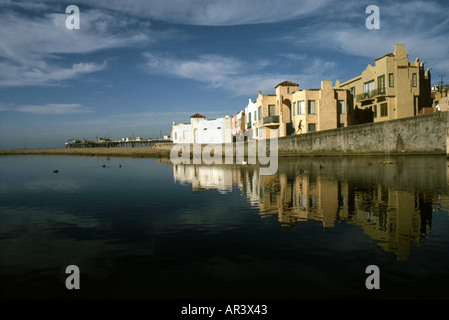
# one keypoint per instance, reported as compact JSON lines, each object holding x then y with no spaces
{"x":287,"y":84}
{"x":387,"y":55}
{"x":197,"y":115}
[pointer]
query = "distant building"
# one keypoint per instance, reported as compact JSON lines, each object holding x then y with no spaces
{"x":200,"y":130}
{"x":238,"y":126}
{"x":393,"y":88}
{"x":251,"y":131}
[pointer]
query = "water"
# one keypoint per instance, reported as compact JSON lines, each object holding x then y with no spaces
{"x":145,"y":229}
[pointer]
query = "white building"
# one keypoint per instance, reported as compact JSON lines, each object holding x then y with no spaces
{"x":200,"y":130}
{"x":251,"y":119}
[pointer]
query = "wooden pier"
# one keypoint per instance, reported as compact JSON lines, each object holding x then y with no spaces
{"x":115,"y":144}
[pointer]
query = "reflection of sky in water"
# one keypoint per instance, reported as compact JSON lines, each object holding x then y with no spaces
{"x":156,"y":230}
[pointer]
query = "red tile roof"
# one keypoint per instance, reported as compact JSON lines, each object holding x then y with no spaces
{"x":287,"y":84}
{"x":197,"y":115}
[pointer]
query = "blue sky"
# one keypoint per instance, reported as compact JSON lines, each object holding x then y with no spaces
{"x":135,"y":67}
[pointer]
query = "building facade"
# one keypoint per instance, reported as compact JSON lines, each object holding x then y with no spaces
{"x":393,"y":88}
{"x":201,"y":130}
{"x":238,"y":126}
{"x":316,"y":109}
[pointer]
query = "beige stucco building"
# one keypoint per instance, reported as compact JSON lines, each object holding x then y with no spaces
{"x":317,"y":109}
{"x":393,"y":88}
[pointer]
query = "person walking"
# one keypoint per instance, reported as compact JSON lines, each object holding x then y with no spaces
{"x":299,"y":127}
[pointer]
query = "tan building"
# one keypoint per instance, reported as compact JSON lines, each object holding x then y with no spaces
{"x":317,"y":109}
{"x":393,"y":88}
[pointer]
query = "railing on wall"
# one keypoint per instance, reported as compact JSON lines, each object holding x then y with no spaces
{"x":271,"y":119}
{"x":370,"y":94}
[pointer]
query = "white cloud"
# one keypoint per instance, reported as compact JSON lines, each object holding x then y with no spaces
{"x":43,"y":74}
{"x":236,"y":76}
{"x":211,"y":69}
{"x":48,"y":109}
{"x":214,"y":12}
{"x":33,"y":47}
{"x":420,"y":25}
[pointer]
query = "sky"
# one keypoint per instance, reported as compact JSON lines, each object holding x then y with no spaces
{"x":135,"y":67}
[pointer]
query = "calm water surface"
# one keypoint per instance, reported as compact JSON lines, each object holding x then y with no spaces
{"x":144,"y":228}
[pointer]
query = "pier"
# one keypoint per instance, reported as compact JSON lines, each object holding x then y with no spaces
{"x":114,"y":144}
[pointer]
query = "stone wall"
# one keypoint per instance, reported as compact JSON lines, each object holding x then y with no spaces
{"x":424,"y":134}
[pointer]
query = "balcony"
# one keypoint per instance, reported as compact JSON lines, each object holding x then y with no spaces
{"x":271,"y":120}
{"x":370,"y":94}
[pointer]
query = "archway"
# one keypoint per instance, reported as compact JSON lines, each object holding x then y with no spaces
{"x":288,"y":116}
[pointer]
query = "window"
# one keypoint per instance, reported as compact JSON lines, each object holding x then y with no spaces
{"x":391,"y":80}
{"x":249,"y":120}
{"x":375,"y":111}
{"x":381,"y":84}
{"x":271,"y":110}
{"x":294,"y":108}
{"x":341,"y":125}
{"x":414,"y":80}
{"x":341,"y":108}
{"x":176,"y":136}
{"x":311,"y":107}
{"x":384,"y":110}
{"x":288,"y":90}
{"x":311,"y":127}
{"x":368,"y":88}
{"x":218,"y":128}
{"x":259,"y":110}
{"x":352,"y":91}
{"x":301,"y":107}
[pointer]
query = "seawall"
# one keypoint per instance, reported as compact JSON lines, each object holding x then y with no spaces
{"x":423,"y":134}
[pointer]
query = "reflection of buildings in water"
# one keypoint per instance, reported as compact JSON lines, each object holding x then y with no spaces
{"x":394,"y":218}
{"x":221,"y":178}
{"x":303,"y":197}
{"x":204,"y":177}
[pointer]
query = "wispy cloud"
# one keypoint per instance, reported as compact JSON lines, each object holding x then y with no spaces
{"x":213,"y":70}
{"x":33,"y":47}
{"x":215,"y":12}
{"x":43,"y":74}
{"x":239,"y":77}
{"x":420,"y":25}
{"x":48,"y":109}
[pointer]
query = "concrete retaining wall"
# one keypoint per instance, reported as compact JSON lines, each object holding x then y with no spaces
{"x":424,"y":134}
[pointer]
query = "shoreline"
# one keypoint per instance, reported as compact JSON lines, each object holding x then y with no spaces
{"x":154,"y":151}
{"x":163,"y":151}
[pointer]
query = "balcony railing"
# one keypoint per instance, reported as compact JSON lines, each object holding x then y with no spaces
{"x":271,"y":119}
{"x":370,"y":94}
